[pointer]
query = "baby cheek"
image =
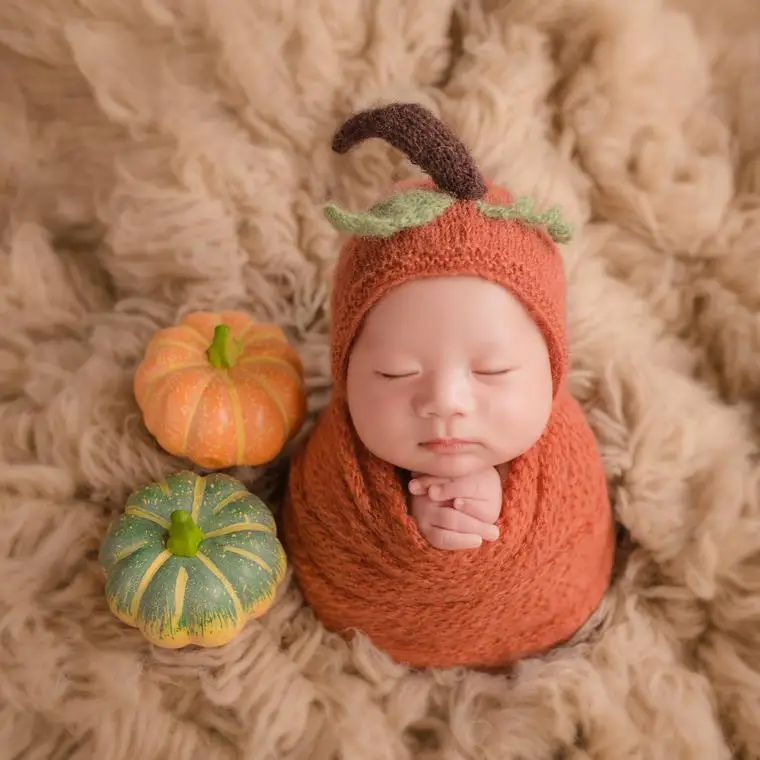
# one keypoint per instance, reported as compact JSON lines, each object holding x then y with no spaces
{"x":499,"y":408}
{"x":382,"y":405}
{"x":514,"y":417}
{"x":383,"y":424}
{"x":531,"y":420}
{"x":393,"y":404}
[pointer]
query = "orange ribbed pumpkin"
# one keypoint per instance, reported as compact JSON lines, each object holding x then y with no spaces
{"x":220,"y":389}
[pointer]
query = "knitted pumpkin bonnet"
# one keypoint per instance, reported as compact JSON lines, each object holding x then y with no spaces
{"x":454,"y":223}
{"x":358,"y":556}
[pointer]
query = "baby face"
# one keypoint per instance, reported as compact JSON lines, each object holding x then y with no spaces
{"x":449,"y":376}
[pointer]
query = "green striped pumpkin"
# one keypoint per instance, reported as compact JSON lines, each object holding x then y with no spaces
{"x":191,"y":560}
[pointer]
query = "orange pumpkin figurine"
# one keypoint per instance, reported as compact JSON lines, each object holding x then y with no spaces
{"x":221,"y":390}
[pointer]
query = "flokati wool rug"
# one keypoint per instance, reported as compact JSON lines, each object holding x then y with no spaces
{"x":159,"y":157}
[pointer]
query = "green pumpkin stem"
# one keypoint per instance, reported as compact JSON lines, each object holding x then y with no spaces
{"x":184,"y":535}
{"x":224,"y":349}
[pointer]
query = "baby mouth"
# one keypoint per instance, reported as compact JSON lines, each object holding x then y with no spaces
{"x":448,"y":444}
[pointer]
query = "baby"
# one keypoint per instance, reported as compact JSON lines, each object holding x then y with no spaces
{"x":450,"y":503}
{"x":455,"y":411}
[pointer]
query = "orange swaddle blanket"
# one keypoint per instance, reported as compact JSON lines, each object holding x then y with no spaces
{"x":358,"y":556}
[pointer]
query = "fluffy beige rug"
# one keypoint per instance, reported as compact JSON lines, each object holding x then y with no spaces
{"x":159,"y":156}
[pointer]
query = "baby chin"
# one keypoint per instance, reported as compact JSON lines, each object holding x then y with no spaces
{"x":449,"y":463}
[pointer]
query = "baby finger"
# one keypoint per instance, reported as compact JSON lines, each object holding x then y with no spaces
{"x":452,"y":519}
{"x":479,"y":509}
{"x":419,"y":485}
{"x":440,"y":538}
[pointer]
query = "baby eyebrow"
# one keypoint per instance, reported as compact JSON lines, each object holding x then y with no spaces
{"x":490,"y":345}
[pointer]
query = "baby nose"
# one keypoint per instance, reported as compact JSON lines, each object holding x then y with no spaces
{"x":446,"y":397}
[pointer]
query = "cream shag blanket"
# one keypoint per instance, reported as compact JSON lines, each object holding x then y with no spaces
{"x":159,"y":156}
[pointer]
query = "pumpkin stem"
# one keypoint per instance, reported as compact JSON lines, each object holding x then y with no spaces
{"x":224,"y":349}
{"x":184,"y":535}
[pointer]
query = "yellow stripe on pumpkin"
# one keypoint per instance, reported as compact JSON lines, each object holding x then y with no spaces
{"x":193,"y":413}
{"x":128,"y":551}
{"x":150,"y":381}
{"x":260,"y":332}
{"x":275,"y":399}
{"x":251,"y":556}
{"x":148,"y":576}
{"x":237,"y":413}
{"x":144,"y":514}
{"x":198,"y":492}
{"x":248,"y":361}
{"x":238,"y":528}
{"x":160,"y":343}
{"x":180,"y":587}
{"x":226,"y":585}
{"x":227,"y":500}
{"x":243,"y":334}
{"x":165,"y":488}
{"x":192,"y":331}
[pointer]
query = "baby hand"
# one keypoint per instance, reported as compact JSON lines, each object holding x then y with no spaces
{"x":457,"y":513}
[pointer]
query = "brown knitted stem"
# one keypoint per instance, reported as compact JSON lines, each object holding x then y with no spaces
{"x":425,"y":140}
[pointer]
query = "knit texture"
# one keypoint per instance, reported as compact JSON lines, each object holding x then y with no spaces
{"x":358,"y":556}
{"x":424,"y":139}
{"x":362,"y":564}
{"x":461,"y":241}
{"x":400,"y":211}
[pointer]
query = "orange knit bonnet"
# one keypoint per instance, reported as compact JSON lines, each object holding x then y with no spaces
{"x":357,"y":555}
{"x":419,"y":231}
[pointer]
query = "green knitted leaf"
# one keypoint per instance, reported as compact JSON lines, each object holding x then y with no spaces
{"x":522,"y":209}
{"x":414,"y":208}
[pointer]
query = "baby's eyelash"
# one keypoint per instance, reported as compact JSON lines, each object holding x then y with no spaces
{"x":390,"y":376}
{"x":493,"y":372}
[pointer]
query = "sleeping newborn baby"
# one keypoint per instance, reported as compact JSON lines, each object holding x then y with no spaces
{"x":450,"y":503}
{"x":450,"y":380}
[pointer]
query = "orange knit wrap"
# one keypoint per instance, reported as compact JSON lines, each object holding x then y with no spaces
{"x":358,"y":556}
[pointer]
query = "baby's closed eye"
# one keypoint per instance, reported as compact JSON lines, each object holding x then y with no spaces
{"x":396,"y":375}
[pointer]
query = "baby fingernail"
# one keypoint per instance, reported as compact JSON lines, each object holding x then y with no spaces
{"x":492,"y":533}
{"x":415,"y":487}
